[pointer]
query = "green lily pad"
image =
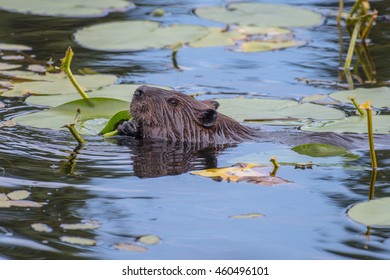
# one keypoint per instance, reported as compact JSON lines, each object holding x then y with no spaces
{"x":140,"y":35}
{"x":320,"y":150}
{"x":93,"y":108}
{"x":69,"y":8}
{"x":379,"y":97}
{"x":262,"y":46}
{"x":261,"y":14}
{"x":13,"y":47}
{"x":245,"y":108}
{"x":60,"y":84}
{"x":114,"y":120}
{"x":374,"y":213}
{"x":354,"y":124}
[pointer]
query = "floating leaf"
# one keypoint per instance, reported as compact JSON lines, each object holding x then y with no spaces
{"x":60,"y":84}
{"x":6,"y":66}
{"x":372,"y":213}
{"x":37,"y":68}
{"x":379,"y":97}
{"x":149,"y":239}
{"x":41,"y":227}
{"x":13,"y":47}
{"x":320,"y":150}
{"x":304,"y":165}
{"x":262,"y":46}
{"x":25,"y":204}
{"x":18,"y":195}
{"x":12,"y":57}
{"x":93,"y":108}
{"x":245,"y":108}
{"x":248,"y":216}
{"x":9,"y":123}
{"x":261,"y":14}
{"x":80,"y":226}
{"x":78,"y":240}
{"x":130,"y":247}
{"x":354,"y":124}
{"x":5,"y":204}
{"x":140,"y":35}
{"x":114,"y":120}
{"x":69,"y":8}
{"x":242,"y":172}
{"x":3,"y":197}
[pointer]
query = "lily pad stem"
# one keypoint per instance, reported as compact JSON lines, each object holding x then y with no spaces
{"x":75,"y":133}
{"x":66,"y":67}
{"x":276,"y":166}
{"x":353,"y":100}
{"x":352,"y":45}
{"x":367,"y":107}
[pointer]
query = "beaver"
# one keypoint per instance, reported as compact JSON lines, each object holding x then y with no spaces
{"x":172,"y":116}
{"x":169,"y":115}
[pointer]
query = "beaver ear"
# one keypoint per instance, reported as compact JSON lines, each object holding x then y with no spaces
{"x":207,"y":118}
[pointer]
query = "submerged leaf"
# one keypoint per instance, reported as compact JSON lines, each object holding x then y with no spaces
{"x":320,"y":150}
{"x":372,"y":213}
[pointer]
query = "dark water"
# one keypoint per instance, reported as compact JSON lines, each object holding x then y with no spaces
{"x":133,"y":190}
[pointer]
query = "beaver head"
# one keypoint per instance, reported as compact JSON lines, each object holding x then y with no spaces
{"x":173,"y":116}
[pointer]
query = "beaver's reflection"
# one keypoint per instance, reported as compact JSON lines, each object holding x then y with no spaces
{"x":161,"y":158}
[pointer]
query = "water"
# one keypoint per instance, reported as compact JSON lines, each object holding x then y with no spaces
{"x":133,"y":190}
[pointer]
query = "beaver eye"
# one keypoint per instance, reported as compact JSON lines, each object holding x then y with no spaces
{"x":173,"y":101}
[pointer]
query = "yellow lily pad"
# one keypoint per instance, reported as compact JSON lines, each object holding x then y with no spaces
{"x":242,"y":172}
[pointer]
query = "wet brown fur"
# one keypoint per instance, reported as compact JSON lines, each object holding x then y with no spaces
{"x":173,"y":116}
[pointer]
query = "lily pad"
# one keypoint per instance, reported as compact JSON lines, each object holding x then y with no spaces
{"x":149,"y":239}
{"x":140,"y":35}
{"x":56,"y":117}
{"x":261,"y":14}
{"x":245,"y":108}
{"x":69,"y":8}
{"x":80,"y":226}
{"x":6,"y":66}
{"x":60,"y":84}
{"x":248,"y":216}
{"x":41,"y":227}
{"x":374,"y":213}
{"x":78,"y":240}
{"x":242,"y":172}
{"x":379,"y":97}
{"x":262,"y":46}
{"x":18,"y":195}
{"x":320,"y":150}
{"x":13,"y":47}
{"x":354,"y":124}
{"x":130,"y":247}
{"x":114,"y":121}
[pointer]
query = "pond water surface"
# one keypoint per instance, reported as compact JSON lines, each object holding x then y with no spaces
{"x":133,"y":191}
